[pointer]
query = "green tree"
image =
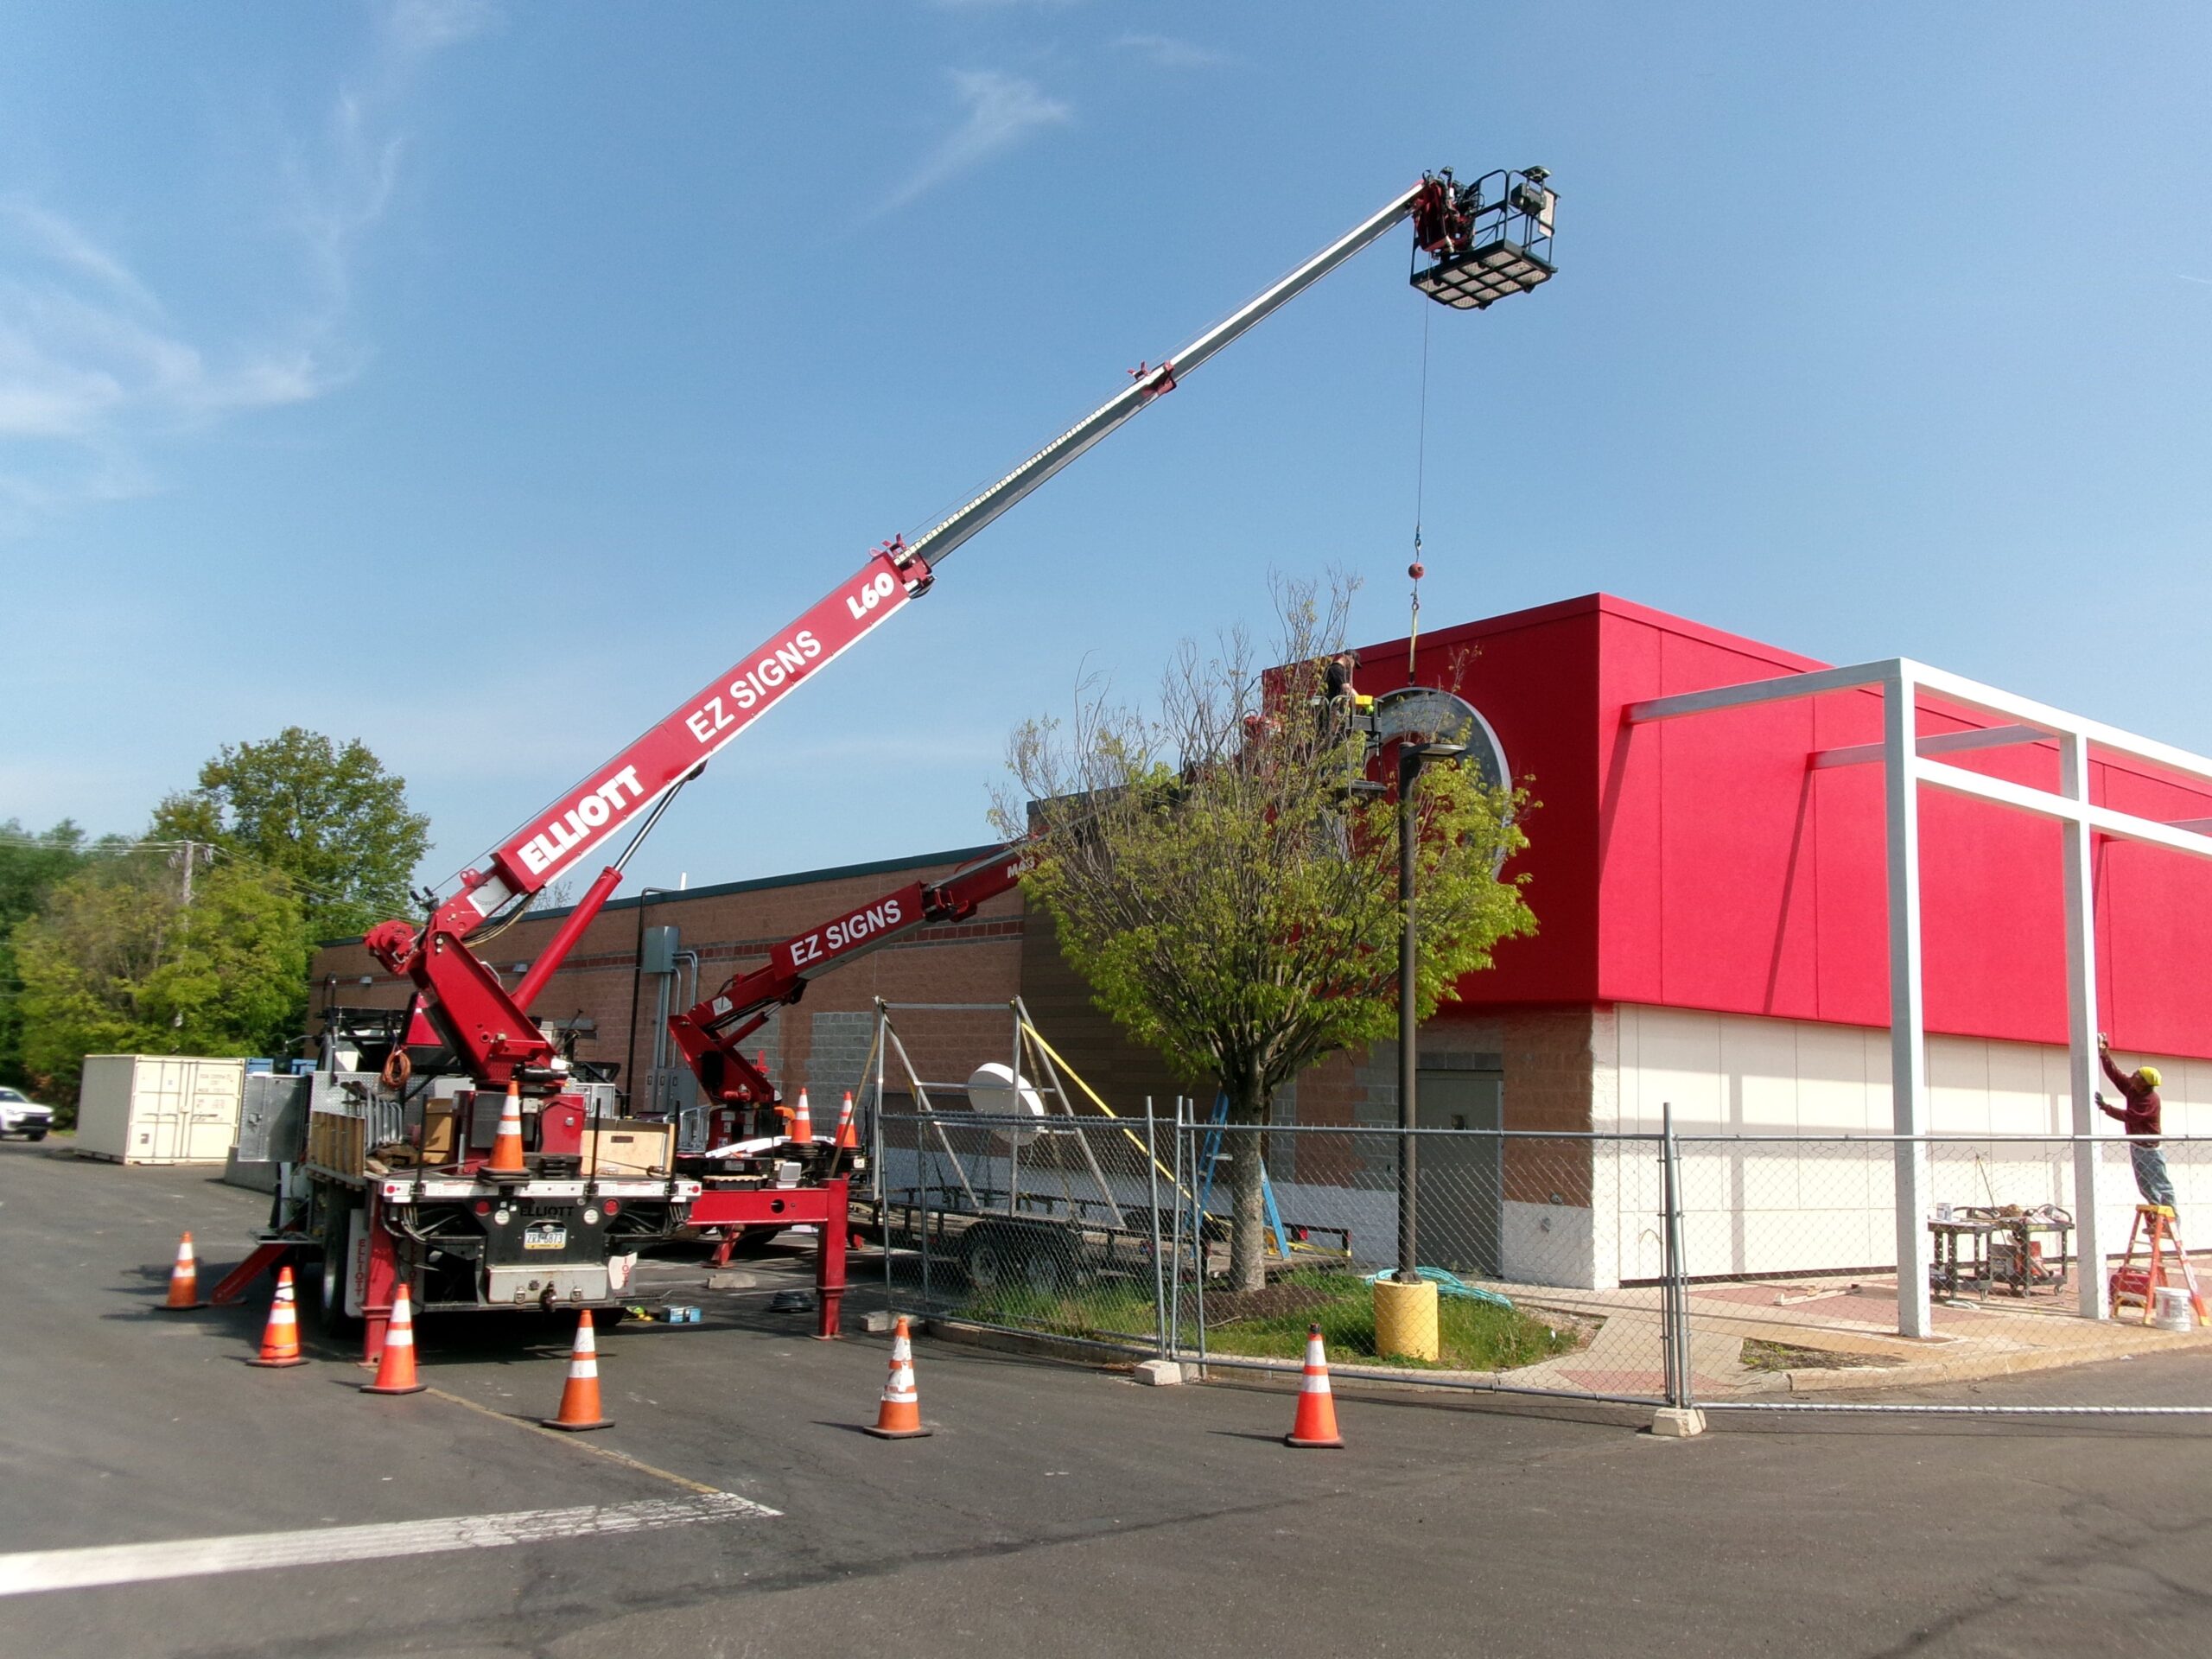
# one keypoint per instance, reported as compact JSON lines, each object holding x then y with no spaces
{"x":1231,"y":902}
{"x":326,"y":815}
{"x":31,"y":862}
{"x":117,"y":963}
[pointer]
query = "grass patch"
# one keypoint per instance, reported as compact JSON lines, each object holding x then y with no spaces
{"x":1271,"y":1323}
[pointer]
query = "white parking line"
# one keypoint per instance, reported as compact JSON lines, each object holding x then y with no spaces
{"x":76,"y":1569}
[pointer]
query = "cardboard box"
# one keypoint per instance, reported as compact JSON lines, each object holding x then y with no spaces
{"x":440,"y":1118}
{"x":629,"y":1145}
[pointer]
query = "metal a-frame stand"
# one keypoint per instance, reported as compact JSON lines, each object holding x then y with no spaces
{"x":1034,"y":1063}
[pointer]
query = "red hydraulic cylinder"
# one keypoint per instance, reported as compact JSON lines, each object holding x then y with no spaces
{"x":556,"y":949}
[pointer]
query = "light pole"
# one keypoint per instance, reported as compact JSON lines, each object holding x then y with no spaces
{"x":1413,"y":753}
{"x":1427,"y":724}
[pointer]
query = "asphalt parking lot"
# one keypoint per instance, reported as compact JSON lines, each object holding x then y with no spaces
{"x":1055,"y":1509}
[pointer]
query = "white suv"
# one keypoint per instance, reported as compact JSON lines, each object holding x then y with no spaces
{"x":21,"y":1115}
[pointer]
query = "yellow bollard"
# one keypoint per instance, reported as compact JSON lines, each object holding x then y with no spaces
{"x":1405,"y":1319}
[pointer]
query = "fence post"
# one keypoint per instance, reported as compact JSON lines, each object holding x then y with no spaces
{"x":1199,"y":1243}
{"x":1679,"y":1389}
{"x":1159,"y":1267}
{"x":925,"y":1169}
{"x":1175,"y":1268}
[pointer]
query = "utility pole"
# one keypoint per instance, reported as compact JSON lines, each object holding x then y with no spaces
{"x":188,"y":851}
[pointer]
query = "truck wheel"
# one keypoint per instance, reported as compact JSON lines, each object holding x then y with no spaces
{"x":331,"y":1317}
{"x":33,"y":1134}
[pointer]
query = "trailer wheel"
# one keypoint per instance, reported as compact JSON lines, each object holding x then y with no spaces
{"x":987,"y":1259}
{"x":1048,"y":1266}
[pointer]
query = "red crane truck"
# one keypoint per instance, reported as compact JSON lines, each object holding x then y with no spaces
{"x":392,"y":1183}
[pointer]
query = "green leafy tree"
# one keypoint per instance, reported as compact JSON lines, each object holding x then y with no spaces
{"x":326,"y":815}
{"x":116,"y":962}
{"x":1231,"y":902}
{"x":31,"y":862}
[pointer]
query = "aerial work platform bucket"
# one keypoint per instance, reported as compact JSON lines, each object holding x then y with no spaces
{"x":1475,"y":243}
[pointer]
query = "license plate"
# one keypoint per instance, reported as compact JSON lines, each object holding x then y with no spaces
{"x":544,"y":1235}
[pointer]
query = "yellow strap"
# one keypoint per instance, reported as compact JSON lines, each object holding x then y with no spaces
{"x":1059,"y":1060}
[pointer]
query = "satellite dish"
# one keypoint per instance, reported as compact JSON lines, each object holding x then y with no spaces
{"x":997,"y":1090}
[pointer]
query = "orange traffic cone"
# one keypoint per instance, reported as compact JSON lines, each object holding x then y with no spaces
{"x":506,"y":1146}
{"x":280,"y":1339}
{"x":802,"y":1121}
{"x":184,"y":1281}
{"x":1315,"y":1426}
{"x":847,"y":1138}
{"x":900,"y":1417}
{"x":580,"y":1398}
{"x":395,"y":1369}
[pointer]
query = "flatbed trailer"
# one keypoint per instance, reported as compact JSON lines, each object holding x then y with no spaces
{"x":1045,"y":1243}
{"x":1048,"y":1242}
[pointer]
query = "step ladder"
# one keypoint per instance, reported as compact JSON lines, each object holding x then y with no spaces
{"x":2130,"y":1286}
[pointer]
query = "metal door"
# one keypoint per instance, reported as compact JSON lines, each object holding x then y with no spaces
{"x":211,"y":1114}
{"x":159,"y":1112}
{"x":1460,"y":1176}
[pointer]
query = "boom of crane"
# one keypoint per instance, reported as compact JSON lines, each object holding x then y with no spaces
{"x":1475,"y":243}
{"x":710,"y":1033}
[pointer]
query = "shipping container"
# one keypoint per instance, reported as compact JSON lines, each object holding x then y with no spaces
{"x":159,"y":1109}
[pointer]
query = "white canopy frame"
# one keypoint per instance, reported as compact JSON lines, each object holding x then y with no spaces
{"x":1909,"y":761}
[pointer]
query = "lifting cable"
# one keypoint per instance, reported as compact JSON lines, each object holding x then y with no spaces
{"x":1420,"y":482}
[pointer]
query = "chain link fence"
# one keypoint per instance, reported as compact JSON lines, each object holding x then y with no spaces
{"x":1726,"y":1273}
{"x":1802,"y":1291}
{"x":1220,"y":1246}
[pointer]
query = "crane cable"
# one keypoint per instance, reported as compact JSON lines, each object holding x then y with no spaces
{"x":1420,"y":483}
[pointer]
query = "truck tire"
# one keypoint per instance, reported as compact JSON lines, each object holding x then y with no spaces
{"x":33,"y":1134}
{"x":331,"y":1317}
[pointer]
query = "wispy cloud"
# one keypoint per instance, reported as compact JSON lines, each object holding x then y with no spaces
{"x":1001,"y":111}
{"x":1169,"y":52}
{"x":95,"y":363}
{"x":84,"y":341}
{"x":2203,"y":281}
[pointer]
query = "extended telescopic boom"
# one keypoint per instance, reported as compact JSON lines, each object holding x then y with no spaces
{"x":491,"y":1028}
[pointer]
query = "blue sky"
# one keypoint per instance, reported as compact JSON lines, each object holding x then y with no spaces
{"x":477,"y":379}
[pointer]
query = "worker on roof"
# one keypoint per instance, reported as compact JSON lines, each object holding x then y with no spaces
{"x":2139,"y":1119}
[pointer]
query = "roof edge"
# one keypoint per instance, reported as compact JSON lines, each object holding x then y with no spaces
{"x":793,"y":878}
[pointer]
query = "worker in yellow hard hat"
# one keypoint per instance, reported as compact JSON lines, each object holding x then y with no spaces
{"x":2139,"y":1118}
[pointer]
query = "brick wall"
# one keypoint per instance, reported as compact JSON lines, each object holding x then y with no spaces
{"x":733,"y":927}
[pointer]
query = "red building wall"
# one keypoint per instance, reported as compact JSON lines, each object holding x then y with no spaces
{"x":1699,"y":862}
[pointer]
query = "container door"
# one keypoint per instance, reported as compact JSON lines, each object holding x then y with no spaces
{"x":157,"y":1112}
{"x":1460,"y":1180}
{"x":211,"y":1114}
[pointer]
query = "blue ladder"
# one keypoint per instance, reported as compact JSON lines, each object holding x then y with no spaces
{"x":1266,"y":1187}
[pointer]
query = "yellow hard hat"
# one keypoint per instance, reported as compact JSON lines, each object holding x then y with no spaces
{"x":2150,"y":1075}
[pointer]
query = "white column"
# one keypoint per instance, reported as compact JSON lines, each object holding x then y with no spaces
{"x":1908,"y":1040}
{"x":2080,"y":877}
